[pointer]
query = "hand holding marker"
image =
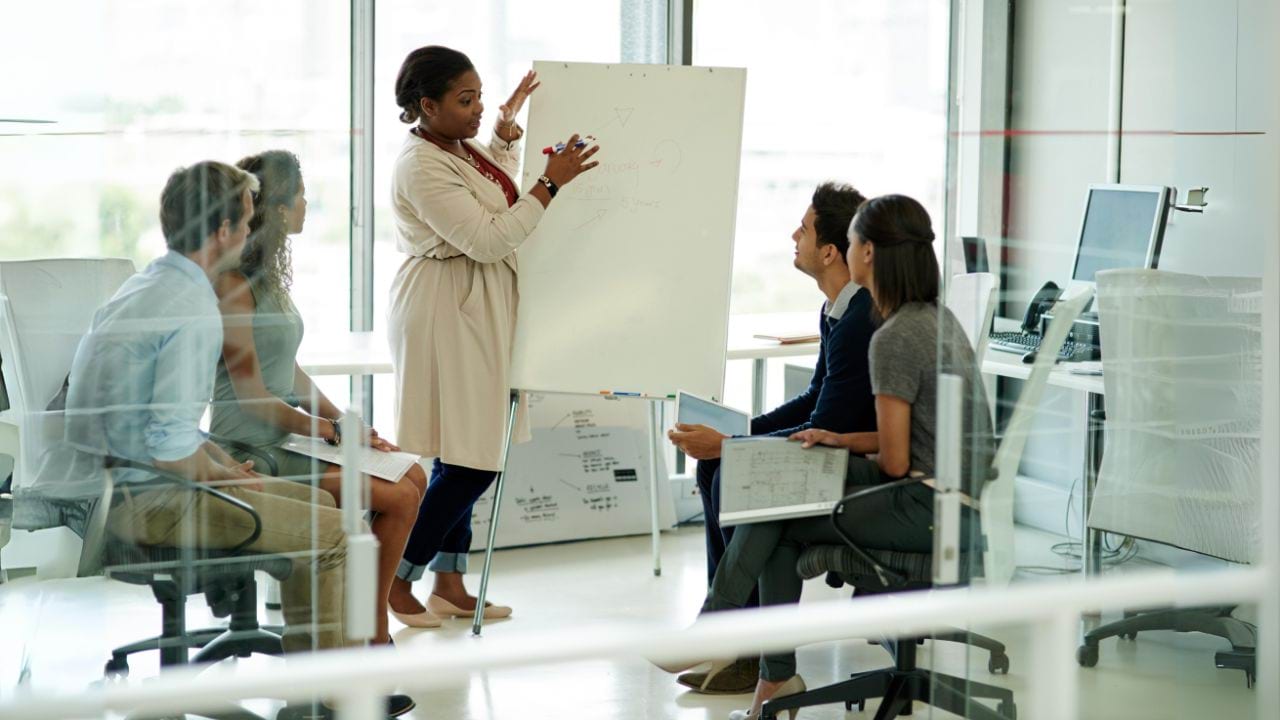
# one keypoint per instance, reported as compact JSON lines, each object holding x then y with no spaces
{"x":567,"y":160}
{"x":559,"y":147}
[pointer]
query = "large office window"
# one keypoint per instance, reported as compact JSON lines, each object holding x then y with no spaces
{"x":855,"y":92}
{"x":127,"y":91}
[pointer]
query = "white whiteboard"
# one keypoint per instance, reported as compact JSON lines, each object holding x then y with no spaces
{"x":585,"y":475}
{"x":624,"y":286}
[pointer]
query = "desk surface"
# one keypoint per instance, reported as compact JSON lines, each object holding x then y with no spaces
{"x":351,"y":353}
{"x":1010,"y":365}
{"x":367,"y":353}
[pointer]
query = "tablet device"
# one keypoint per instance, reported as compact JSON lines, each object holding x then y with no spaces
{"x":694,"y":410}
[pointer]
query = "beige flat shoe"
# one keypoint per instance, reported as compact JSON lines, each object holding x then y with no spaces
{"x":444,"y":608}
{"x":426,"y":619}
{"x":793,"y":686}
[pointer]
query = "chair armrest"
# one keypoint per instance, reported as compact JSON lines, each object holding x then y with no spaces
{"x":164,"y":478}
{"x":244,"y":447}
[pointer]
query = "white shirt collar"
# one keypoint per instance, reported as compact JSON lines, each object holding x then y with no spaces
{"x":835,"y":310}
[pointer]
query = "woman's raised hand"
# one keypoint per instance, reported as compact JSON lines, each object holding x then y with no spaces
{"x":507,"y":111}
{"x":570,"y":162}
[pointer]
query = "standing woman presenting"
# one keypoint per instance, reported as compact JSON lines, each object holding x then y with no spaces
{"x":459,"y":218}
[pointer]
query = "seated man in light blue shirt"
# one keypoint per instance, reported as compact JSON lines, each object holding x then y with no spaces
{"x":142,"y":379}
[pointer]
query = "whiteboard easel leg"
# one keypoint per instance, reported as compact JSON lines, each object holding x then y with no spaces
{"x":477,"y":623}
{"x":654,"y":458}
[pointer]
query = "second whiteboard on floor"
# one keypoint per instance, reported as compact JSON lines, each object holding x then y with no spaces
{"x":624,"y":285}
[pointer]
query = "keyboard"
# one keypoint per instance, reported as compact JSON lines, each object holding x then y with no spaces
{"x":1024,"y":342}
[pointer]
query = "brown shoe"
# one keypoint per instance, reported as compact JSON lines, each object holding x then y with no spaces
{"x":737,"y":679}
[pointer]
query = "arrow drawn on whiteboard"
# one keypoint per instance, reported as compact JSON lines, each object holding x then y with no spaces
{"x":561,"y":421}
{"x":624,"y":114}
{"x":575,"y":487}
{"x":599,"y":214}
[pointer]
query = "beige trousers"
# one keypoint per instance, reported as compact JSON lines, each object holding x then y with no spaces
{"x":296,"y":519}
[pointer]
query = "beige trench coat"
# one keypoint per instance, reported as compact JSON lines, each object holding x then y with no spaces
{"x":451,"y":322}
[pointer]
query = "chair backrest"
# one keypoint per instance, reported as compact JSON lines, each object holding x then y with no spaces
{"x":1182,"y":367}
{"x":971,"y":297}
{"x":997,"y":495}
{"x":46,"y":307}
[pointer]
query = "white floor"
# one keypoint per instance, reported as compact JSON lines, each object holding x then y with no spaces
{"x":55,"y":635}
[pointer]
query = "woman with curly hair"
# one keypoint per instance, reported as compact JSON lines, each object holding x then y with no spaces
{"x":261,"y":395}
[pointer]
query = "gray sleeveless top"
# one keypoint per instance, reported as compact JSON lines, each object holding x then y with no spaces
{"x":277,"y":332}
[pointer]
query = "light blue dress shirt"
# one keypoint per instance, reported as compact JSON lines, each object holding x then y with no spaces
{"x":143,"y":375}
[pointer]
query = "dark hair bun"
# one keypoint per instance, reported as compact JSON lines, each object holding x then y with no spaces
{"x":427,"y":73}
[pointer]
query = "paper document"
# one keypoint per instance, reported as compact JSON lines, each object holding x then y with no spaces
{"x":774,"y":479}
{"x":385,"y":465}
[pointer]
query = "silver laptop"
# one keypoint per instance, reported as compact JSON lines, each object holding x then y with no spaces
{"x":694,"y":410}
{"x":763,"y":479}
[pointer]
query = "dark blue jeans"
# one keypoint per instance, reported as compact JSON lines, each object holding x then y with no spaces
{"x":441,"y":537}
{"x":717,"y":538}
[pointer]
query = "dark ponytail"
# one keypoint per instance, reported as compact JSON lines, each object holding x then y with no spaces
{"x":427,"y":73}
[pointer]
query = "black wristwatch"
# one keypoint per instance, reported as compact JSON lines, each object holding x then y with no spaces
{"x":337,"y":431}
{"x":551,"y":187}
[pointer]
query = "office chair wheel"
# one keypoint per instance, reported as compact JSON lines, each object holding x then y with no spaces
{"x":862,"y":706}
{"x":1129,"y":635}
{"x":998,"y":664}
{"x":116,"y":668}
{"x":1087,"y":655}
{"x":1008,"y":710}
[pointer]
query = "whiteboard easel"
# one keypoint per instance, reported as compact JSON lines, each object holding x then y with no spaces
{"x":654,"y":428}
{"x":647,"y":238}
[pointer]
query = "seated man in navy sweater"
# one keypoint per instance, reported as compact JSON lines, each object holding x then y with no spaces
{"x":839,"y":396}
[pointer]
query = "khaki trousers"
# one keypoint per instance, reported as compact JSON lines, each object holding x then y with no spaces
{"x":296,"y":519}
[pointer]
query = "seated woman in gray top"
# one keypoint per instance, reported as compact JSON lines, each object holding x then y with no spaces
{"x":261,"y":394}
{"x":891,"y":253}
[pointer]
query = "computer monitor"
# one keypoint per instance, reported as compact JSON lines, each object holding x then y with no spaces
{"x":975,"y":255}
{"x":1122,"y":227}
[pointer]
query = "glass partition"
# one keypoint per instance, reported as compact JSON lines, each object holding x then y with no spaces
{"x":1113,"y":313}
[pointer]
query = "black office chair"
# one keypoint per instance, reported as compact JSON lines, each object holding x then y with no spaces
{"x":872,"y":572}
{"x":224,"y":577}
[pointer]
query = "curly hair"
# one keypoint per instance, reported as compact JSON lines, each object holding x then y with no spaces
{"x":267,"y":259}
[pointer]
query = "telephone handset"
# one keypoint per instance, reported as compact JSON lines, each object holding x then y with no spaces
{"x":1040,"y":304}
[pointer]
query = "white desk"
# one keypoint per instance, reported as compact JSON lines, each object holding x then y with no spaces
{"x":1010,"y":365}
{"x":352,"y":353}
{"x":743,"y":345}
{"x":367,"y":353}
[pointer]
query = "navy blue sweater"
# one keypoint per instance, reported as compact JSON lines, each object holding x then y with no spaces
{"x":839,"y":396}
